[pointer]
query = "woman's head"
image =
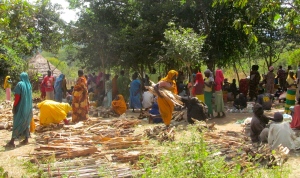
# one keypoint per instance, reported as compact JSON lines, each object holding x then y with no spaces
{"x":134,"y":76}
{"x":233,"y":80}
{"x":271,"y":68}
{"x":291,"y":74}
{"x":80,"y":73}
{"x":207,"y":73}
{"x":172,"y":74}
{"x":258,"y":110}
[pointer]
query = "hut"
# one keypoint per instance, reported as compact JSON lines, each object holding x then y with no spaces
{"x":38,"y":67}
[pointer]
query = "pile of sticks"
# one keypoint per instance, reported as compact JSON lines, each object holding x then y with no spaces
{"x":168,"y":95}
{"x":237,"y":148}
{"x":160,"y":133}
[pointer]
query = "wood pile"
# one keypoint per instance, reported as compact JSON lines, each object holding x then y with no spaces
{"x":160,"y":133}
{"x":102,"y":112}
{"x":6,"y":115}
{"x":175,"y":99}
{"x":94,"y":139}
{"x":238,"y":148}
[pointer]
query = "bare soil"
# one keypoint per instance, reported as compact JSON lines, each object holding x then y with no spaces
{"x":12,"y":160}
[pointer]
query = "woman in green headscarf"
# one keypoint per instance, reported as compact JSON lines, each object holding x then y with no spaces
{"x":22,"y":110}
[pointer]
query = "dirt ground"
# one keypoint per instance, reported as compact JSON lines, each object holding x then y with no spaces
{"x":12,"y":160}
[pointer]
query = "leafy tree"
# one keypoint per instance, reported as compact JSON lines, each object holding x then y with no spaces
{"x":184,"y":45}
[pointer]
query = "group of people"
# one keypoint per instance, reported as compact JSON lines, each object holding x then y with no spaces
{"x":277,"y":132}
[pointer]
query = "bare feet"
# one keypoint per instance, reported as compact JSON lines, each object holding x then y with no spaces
{"x":10,"y":145}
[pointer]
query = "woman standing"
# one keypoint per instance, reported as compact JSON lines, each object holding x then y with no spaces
{"x":135,"y":93}
{"x":219,"y":103}
{"x":199,"y":87}
{"x":108,"y":91}
{"x":22,"y":110}
{"x":270,"y":81}
{"x":291,"y":92}
{"x":254,"y":81}
{"x":80,"y":103}
{"x":7,"y":87}
{"x":165,"y":105}
{"x":58,"y":88}
{"x":208,"y":84}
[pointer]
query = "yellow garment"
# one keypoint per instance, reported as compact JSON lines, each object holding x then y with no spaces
{"x":166,"y":108}
{"x":169,"y":78}
{"x":200,"y":97}
{"x":32,"y":126}
{"x":206,"y":88}
{"x":6,"y":83}
{"x":53,"y":112}
{"x":119,"y":106}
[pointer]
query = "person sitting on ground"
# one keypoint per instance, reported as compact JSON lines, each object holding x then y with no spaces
{"x":258,"y":124}
{"x":147,"y":99}
{"x":195,"y":109}
{"x":280,"y":133}
{"x":295,"y":124}
{"x":240,"y":102}
{"x":119,"y":105}
{"x":265,"y":99}
{"x":154,"y":114}
{"x":52,"y":112}
{"x":233,"y":89}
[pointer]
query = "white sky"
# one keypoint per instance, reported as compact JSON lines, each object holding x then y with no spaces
{"x":67,"y":14}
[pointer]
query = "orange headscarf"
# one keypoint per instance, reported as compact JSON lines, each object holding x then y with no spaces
{"x":119,"y":106}
{"x":169,"y":78}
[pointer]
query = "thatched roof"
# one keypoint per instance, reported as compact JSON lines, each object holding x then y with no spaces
{"x":39,"y":64}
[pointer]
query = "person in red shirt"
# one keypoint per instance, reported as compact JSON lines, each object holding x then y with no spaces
{"x":48,"y":84}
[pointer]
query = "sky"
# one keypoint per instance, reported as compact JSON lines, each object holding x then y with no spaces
{"x":67,"y":14}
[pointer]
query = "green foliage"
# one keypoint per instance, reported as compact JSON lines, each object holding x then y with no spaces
{"x":183,"y":44}
{"x":191,"y":157}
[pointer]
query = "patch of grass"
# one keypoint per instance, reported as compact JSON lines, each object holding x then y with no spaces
{"x":3,"y":174}
{"x":191,"y":157}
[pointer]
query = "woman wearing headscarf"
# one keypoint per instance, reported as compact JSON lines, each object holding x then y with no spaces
{"x":208,"y":84}
{"x":291,"y":92}
{"x":254,"y":81}
{"x":7,"y":87}
{"x":53,"y":112}
{"x":59,"y":88}
{"x":165,"y":105}
{"x":22,"y":110}
{"x":270,"y":81}
{"x":199,"y":86}
{"x":114,"y":86}
{"x":119,"y":105}
{"x":135,"y":93}
{"x":219,"y":103}
{"x":80,"y":103}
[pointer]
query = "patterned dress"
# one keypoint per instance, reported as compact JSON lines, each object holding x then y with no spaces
{"x":80,"y":105}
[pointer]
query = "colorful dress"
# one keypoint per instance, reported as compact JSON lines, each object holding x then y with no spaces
{"x":165,"y":105}
{"x":23,"y":105}
{"x":58,"y":88}
{"x":135,"y":94}
{"x":80,"y":103}
{"x":208,"y":95}
{"x":290,"y":95}
{"x":119,"y":105}
{"x":7,"y":87}
{"x":199,"y":87}
{"x":219,"y":103}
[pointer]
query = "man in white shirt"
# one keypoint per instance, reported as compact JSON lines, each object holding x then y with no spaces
{"x":281,"y":133}
{"x":147,"y":99}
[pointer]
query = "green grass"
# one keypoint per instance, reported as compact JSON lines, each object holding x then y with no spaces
{"x":190,"y":157}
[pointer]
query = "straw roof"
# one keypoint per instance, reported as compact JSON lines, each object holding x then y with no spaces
{"x":41,"y":65}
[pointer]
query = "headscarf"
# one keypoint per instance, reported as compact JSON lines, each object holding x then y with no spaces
{"x":169,"y":78}
{"x":119,"y":106}
{"x":278,"y":117}
{"x":271,"y":68}
{"x":207,"y":71}
{"x":219,"y":76}
{"x":58,"y":81}
{"x":6,"y":84}
{"x":199,"y":78}
{"x":23,"y":115}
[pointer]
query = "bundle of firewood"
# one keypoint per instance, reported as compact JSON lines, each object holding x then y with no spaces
{"x":175,"y":99}
{"x":160,"y":133}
